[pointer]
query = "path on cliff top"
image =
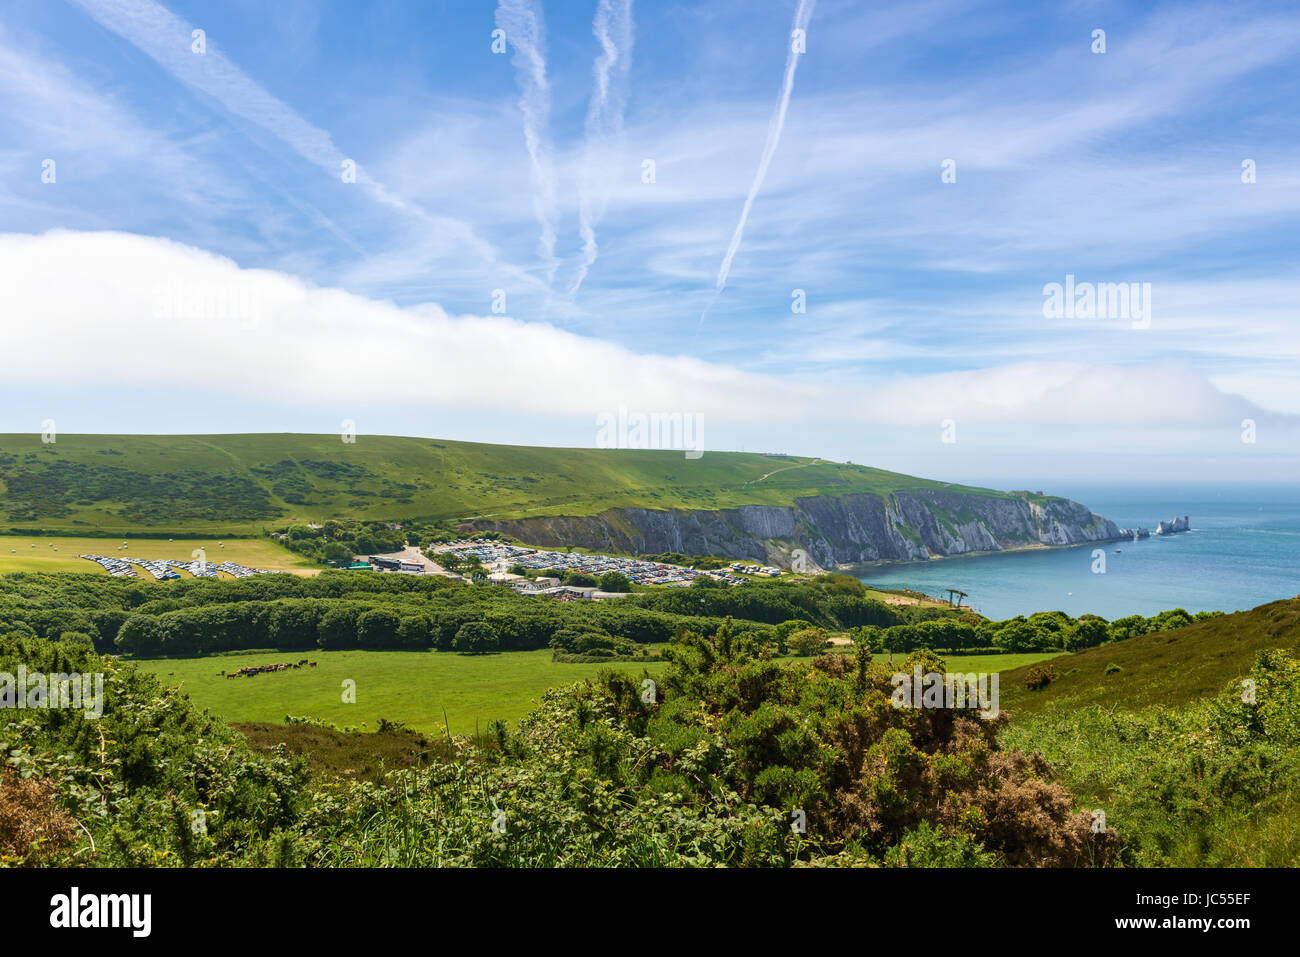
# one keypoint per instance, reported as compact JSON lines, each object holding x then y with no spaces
{"x":786,"y":469}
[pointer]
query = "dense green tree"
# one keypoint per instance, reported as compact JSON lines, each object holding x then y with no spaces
{"x":140,"y":636}
{"x":338,"y":627}
{"x":475,"y":638}
{"x":1087,"y":633}
{"x":377,"y":628}
{"x":414,"y":632}
{"x":615,"y":581}
{"x":807,"y":641}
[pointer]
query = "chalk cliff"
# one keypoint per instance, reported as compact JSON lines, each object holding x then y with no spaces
{"x":830,"y":530}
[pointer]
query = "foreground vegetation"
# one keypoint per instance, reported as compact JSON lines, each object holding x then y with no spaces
{"x":726,"y":749}
{"x":1213,"y":783}
{"x":711,"y":768}
{"x":732,"y":758}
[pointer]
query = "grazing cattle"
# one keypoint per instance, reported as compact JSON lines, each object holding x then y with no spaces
{"x":312,"y":664}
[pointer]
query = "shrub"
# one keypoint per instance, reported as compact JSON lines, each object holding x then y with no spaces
{"x":1087,"y":633}
{"x":476,"y":638}
{"x":808,"y":641}
{"x":1039,"y":677}
{"x":615,"y":581}
{"x":33,"y":828}
{"x":927,"y":846}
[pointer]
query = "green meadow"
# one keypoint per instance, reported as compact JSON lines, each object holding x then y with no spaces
{"x":60,"y":553}
{"x":415,"y":687}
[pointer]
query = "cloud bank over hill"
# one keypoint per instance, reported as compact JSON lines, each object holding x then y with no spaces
{"x":139,"y":319}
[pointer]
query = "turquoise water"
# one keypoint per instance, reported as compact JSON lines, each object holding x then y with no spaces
{"x":1243,"y":550}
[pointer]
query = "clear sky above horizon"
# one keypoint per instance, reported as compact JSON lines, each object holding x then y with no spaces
{"x":623,"y":210}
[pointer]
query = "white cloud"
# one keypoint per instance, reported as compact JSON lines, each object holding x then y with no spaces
{"x":111,"y":311}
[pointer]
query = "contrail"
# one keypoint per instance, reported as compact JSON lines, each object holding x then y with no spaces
{"x":525,"y":30}
{"x":774,"y":127}
{"x":165,"y":37}
{"x":613,"y":30}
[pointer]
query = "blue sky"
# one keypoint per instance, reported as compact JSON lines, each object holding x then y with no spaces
{"x":372,"y":301}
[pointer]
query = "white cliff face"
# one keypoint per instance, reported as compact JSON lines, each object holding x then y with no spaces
{"x":906,"y":526}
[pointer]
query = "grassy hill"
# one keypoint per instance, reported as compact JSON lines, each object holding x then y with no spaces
{"x":1185,"y":773}
{"x":233,"y":484}
{"x":1167,"y":668}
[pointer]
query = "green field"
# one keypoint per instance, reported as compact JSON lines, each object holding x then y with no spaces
{"x":59,"y":553}
{"x":411,"y":687}
{"x":988,"y":664}
{"x":240,"y":484}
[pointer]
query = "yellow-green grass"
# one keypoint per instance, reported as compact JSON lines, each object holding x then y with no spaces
{"x":986,"y":664}
{"x":58,"y":553}
{"x":411,"y":687}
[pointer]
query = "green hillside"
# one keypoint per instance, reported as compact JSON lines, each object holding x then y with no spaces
{"x":87,"y":484}
{"x":1168,"y":668}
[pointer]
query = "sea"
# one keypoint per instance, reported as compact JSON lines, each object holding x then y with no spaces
{"x":1243,"y":550}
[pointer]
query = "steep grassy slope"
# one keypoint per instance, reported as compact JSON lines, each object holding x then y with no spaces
{"x":1168,"y":668}
{"x":240,"y":483}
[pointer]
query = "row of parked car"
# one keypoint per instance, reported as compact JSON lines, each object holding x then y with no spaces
{"x":168,"y":569}
{"x":114,"y":566}
{"x":637,"y":570}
